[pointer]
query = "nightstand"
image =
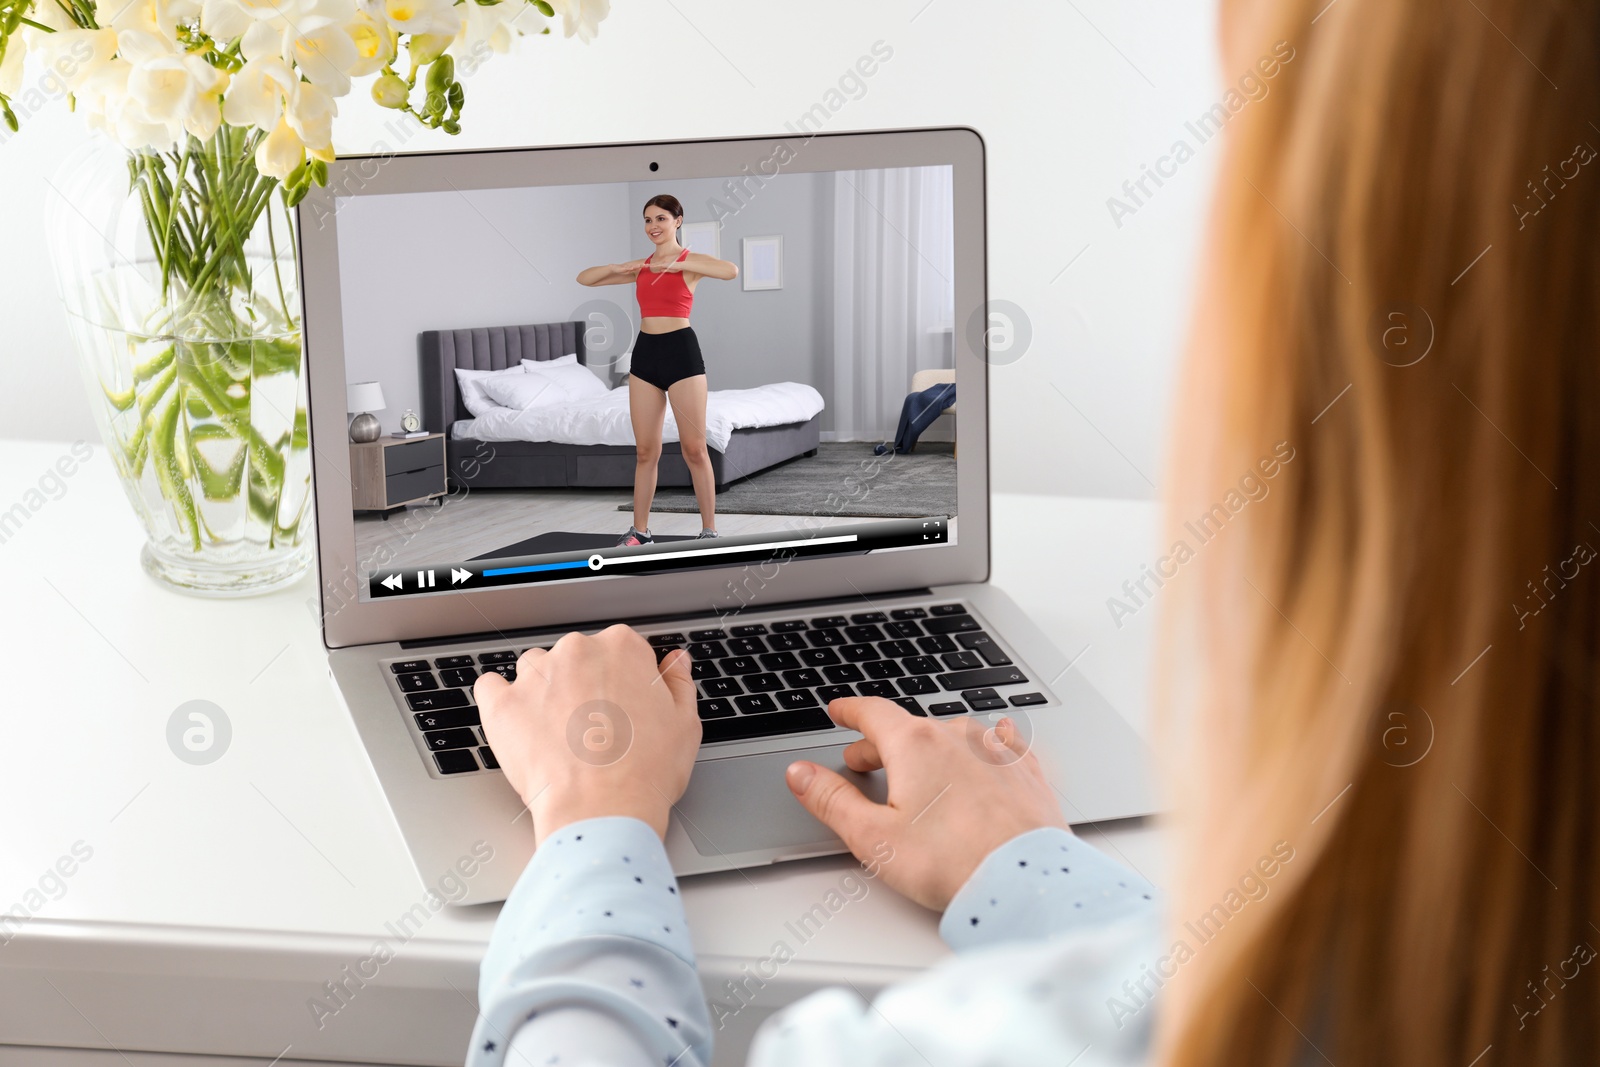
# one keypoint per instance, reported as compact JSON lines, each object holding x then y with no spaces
{"x":392,"y":471}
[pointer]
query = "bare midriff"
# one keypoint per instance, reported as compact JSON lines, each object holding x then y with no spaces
{"x":661,"y":324}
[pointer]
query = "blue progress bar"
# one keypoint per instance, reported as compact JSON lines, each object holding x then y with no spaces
{"x":583,"y":563}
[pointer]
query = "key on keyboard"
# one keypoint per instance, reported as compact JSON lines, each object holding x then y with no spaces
{"x":983,"y":676}
{"x":447,"y":698}
{"x":447,"y":719}
{"x":744,"y":727}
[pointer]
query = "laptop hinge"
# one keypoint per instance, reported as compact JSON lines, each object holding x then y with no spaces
{"x":652,"y":620}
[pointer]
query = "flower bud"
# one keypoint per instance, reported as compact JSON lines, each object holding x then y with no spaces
{"x":427,"y":47}
{"x":441,"y":74}
{"x":390,"y":91}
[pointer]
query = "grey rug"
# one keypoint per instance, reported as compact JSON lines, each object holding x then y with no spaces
{"x":843,"y":478}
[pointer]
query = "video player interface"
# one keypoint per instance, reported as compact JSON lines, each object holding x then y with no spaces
{"x":817,"y":368}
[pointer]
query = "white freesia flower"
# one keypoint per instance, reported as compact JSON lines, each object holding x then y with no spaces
{"x":319,"y":47}
{"x":162,"y":86}
{"x":11,"y":70}
{"x":497,"y":25}
{"x":64,"y":52}
{"x":256,"y":94}
{"x":280,"y":152}
{"x":159,"y":17}
{"x":375,"y":43}
{"x":176,"y":90}
{"x":51,"y":15}
{"x":422,"y":16}
{"x":108,"y":105}
{"x":306,"y":124}
{"x":205,"y":114}
{"x":309,"y":112}
{"x":582,"y":17}
{"x":135,"y":77}
{"x":228,"y":20}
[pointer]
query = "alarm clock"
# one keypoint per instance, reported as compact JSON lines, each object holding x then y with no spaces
{"x":410,"y":422}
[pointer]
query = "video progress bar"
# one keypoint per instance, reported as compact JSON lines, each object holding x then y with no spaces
{"x":493,"y":572}
{"x":597,"y":561}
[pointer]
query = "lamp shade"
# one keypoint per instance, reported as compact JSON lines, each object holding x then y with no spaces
{"x":363,"y":396}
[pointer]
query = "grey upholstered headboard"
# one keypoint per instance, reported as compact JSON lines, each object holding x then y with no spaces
{"x":484,"y":348}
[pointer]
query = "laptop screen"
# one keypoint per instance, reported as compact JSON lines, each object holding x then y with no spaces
{"x":571,"y":383}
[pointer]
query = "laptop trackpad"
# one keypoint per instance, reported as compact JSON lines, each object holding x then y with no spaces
{"x":743,"y":804}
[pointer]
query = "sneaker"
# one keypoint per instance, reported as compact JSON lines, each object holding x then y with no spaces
{"x":634,"y":537}
{"x":705,"y":534}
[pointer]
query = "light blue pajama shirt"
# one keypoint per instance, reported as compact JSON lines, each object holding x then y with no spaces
{"x":590,"y":963}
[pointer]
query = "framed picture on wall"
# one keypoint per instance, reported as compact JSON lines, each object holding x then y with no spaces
{"x":763,"y":262}
{"x":704,"y":237}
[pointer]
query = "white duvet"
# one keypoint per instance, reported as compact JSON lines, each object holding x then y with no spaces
{"x":604,"y":420}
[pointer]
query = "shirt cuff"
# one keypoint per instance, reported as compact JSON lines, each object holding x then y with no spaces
{"x":1039,"y":884}
{"x":607,"y":876}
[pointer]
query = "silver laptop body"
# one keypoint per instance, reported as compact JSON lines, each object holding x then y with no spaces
{"x":386,"y":642}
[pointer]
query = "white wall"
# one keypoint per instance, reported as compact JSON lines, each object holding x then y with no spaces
{"x":1071,"y":100}
{"x":445,"y":261}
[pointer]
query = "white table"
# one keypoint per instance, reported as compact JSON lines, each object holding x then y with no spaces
{"x":217,"y":900}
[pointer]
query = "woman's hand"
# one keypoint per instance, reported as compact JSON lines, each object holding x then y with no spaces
{"x":631,"y":267}
{"x":593,"y":727}
{"x":958,"y":789}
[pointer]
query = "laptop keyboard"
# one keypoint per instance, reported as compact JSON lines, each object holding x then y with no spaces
{"x":757,"y":679}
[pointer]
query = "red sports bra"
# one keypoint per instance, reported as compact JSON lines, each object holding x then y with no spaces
{"x":663,"y":293}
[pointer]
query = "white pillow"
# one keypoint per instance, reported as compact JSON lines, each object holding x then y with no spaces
{"x":525,"y":391}
{"x":565,"y":361}
{"x":469,"y":383}
{"x":558,"y":380}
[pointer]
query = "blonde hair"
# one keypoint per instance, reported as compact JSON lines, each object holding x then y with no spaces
{"x":1387,"y":666}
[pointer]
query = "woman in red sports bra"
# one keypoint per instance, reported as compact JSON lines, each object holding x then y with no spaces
{"x":667,"y":366}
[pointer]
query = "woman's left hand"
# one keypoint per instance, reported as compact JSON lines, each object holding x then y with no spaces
{"x":594,"y":727}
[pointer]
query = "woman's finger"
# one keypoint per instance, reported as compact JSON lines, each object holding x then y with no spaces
{"x":488,"y":690}
{"x":675,"y":673}
{"x":875,"y":717}
{"x":863,"y":756}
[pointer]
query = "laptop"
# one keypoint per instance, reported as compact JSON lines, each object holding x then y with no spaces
{"x":436,"y":285}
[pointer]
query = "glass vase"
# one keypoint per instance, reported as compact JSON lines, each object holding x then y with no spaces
{"x":178,"y":275}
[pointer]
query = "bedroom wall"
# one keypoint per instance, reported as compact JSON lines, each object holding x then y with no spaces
{"x":493,"y":257}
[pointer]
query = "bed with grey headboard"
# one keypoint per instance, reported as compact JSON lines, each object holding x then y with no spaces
{"x":547,"y":464}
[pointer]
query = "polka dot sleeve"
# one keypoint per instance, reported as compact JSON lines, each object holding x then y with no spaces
{"x":590,"y":960}
{"x":1039,"y":884}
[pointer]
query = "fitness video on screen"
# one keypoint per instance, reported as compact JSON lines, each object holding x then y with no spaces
{"x":565,"y":383}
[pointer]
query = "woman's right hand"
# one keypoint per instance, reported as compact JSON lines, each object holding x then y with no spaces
{"x":958,"y":789}
{"x":632,"y":267}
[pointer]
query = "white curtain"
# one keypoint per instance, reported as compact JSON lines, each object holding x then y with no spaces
{"x":893,"y":292}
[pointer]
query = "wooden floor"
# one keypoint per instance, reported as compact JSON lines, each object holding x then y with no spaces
{"x":470,"y":524}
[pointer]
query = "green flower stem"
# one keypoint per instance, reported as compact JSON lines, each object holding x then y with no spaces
{"x":272,"y":244}
{"x":201,"y":203}
{"x":169,"y":473}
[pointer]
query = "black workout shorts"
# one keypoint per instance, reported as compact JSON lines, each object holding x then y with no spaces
{"x":664,"y":358}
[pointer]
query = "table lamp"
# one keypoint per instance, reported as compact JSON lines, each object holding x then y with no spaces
{"x":364,"y":397}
